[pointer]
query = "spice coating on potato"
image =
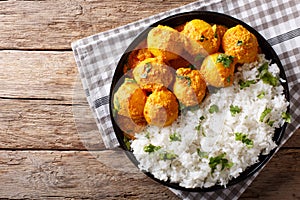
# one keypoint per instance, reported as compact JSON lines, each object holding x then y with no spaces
{"x":129,"y":101}
{"x":240,"y":43}
{"x":203,"y":33}
{"x":165,"y":42}
{"x":153,"y":71}
{"x":218,"y":70}
{"x":161,"y":108}
{"x":189,"y":87}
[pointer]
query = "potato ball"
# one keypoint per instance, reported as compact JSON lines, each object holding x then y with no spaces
{"x":240,"y":43}
{"x":218,"y":70}
{"x":161,"y":108}
{"x":153,"y":71}
{"x":202,"y":32}
{"x":189,"y":86}
{"x":129,"y":101}
{"x":165,"y":42}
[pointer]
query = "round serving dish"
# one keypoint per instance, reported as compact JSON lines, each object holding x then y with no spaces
{"x":214,"y":18}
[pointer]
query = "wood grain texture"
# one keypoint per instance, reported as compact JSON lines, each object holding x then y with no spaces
{"x":74,"y":175}
{"x":55,"y":24}
{"x":37,"y":74}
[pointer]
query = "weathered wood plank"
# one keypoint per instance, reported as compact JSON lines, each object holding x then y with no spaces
{"x":110,"y":175}
{"x":43,"y":125}
{"x":55,"y":24}
{"x":76,"y":175}
{"x":35,"y":74}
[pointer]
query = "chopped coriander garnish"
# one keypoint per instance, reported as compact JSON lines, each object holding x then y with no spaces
{"x":167,"y":156}
{"x":261,"y":95}
{"x":202,"y":38}
{"x":225,"y":60}
{"x":264,"y":114}
{"x":247,"y":83}
{"x":202,"y":118}
{"x":264,"y":66}
{"x":235,"y":110}
{"x":147,"y":135}
{"x":147,"y":69}
{"x":266,"y":76}
{"x":127,"y":143}
{"x":214,"y":161}
{"x":175,"y":137}
{"x":270,"y":123}
{"x":286,"y":116}
{"x":228,"y":79}
{"x":213,"y":108}
{"x":188,"y":79}
{"x":198,"y":127}
{"x":151,"y":148}
{"x":243,"y":138}
{"x":202,"y":154}
{"x":239,"y":43}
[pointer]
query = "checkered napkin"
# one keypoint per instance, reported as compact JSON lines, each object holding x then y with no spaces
{"x":277,"y":20}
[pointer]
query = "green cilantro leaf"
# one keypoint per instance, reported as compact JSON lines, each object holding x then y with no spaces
{"x":286,"y":116}
{"x":147,"y":69}
{"x":266,"y":76}
{"x":213,"y":109}
{"x":151,"y":148}
{"x":214,"y":161}
{"x":247,"y":83}
{"x":225,"y":60}
{"x":175,"y":137}
{"x":235,"y":110}
{"x":243,"y":138}
{"x":188,"y":79}
{"x":202,"y":154}
{"x":261,"y":95}
{"x":264,"y":114}
{"x":167,"y":156}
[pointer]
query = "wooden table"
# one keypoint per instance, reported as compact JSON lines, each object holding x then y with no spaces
{"x":50,"y":146}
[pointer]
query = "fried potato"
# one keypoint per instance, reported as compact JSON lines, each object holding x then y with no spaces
{"x":189,"y":86}
{"x":203,"y":33}
{"x":218,"y":70}
{"x":129,"y":101}
{"x":165,"y":42}
{"x":161,"y":108}
{"x":240,"y":43}
{"x":153,"y":71}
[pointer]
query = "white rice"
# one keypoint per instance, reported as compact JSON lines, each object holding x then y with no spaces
{"x":216,"y":136}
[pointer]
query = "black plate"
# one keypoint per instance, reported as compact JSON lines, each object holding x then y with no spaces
{"x":214,"y":18}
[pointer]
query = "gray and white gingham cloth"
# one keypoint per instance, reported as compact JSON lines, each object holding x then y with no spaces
{"x":277,"y":20}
